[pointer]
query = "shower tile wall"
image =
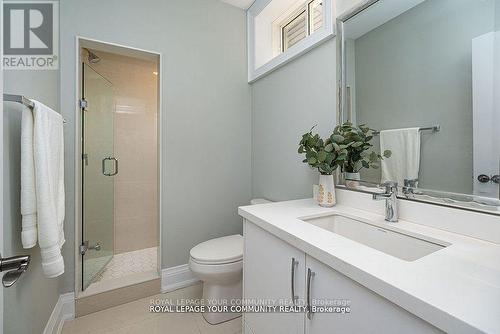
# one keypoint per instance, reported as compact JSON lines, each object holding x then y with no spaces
{"x":135,"y":139}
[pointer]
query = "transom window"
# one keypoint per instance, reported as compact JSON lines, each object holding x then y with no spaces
{"x":281,"y":30}
{"x":303,"y":22}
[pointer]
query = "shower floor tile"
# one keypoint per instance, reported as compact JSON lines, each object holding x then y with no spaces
{"x":124,"y":264}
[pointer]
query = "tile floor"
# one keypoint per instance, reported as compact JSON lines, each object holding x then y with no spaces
{"x":134,"y":318}
{"x":124,"y":264}
{"x":121,"y":265}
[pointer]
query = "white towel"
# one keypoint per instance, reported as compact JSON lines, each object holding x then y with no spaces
{"x":404,"y":162}
{"x":28,"y":193}
{"x":48,"y":162}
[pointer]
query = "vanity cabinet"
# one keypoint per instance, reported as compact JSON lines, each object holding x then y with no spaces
{"x":271,"y":268}
{"x":369,"y":312}
{"x":267,"y":273}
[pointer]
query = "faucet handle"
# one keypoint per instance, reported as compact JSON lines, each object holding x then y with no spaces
{"x":390,"y":186}
{"x":410,"y":183}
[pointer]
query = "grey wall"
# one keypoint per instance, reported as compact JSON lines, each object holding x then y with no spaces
{"x":416,"y":70}
{"x":497,"y":15}
{"x":29,"y":303}
{"x":206,"y":110}
{"x":285,"y":104}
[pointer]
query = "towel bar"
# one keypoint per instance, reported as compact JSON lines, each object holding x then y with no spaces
{"x":21,"y":99}
{"x":435,"y":128}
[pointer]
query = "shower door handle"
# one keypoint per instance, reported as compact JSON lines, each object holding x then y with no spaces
{"x":116,"y":166}
{"x":104,"y":166}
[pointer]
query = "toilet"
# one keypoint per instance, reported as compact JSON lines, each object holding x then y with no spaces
{"x":219,"y":264}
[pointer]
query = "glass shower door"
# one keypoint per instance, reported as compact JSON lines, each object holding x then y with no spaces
{"x":98,"y":169}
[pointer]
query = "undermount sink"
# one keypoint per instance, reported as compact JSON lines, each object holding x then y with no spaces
{"x":394,"y":243}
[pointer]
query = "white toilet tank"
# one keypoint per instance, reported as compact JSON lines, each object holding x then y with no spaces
{"x":259,"y":201}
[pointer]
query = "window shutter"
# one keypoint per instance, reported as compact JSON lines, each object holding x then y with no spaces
{"x":294,"y":31}
{"x":302,"y":24}
{"x":316,"y":15}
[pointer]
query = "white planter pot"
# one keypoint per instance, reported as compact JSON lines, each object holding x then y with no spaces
{"x":326,"y":191}
{"x":352,"y":179}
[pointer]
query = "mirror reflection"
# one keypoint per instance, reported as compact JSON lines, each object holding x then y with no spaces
{"x":425,"y":76}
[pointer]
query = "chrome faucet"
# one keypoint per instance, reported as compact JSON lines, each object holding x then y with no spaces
{"x":409,"y":186}
{"x":391,"y":201}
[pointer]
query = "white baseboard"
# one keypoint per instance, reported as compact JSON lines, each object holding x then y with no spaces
{"x":63,"y":310}
{"x":177,"y":278}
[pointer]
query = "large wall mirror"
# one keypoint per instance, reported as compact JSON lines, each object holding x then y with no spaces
{"x":425,"y":76}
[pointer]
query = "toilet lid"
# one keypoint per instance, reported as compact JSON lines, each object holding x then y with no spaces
{"x":219,"y":251}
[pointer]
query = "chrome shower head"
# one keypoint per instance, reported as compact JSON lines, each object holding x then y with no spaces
{"x":93,"y":58}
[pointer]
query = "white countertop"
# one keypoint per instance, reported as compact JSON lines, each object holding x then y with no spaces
{"x":457,"y":288}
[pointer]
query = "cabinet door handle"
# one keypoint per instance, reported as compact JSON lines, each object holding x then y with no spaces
{"x":310,"y":275}
{"x":292,"y":281}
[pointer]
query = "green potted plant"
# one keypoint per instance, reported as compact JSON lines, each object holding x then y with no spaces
{"x":324,"y":156}
{"x":355,"y":140}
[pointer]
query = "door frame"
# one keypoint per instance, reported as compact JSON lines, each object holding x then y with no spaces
{"x":1,"y":180}
{"x":1,"y":166}
{"x":78,"y":155}
{"x":483,"y":112}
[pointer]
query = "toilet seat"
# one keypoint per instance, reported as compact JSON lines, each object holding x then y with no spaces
{"x":217,"y":273}
{"x":218,"y":251}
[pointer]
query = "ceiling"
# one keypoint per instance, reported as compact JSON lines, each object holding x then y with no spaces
{"x":243,"y":4}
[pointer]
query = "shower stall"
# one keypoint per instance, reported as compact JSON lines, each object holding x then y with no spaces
{"x":118,"y":232}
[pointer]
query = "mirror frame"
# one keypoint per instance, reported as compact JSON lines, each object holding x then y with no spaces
{"x":435,"y":197}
